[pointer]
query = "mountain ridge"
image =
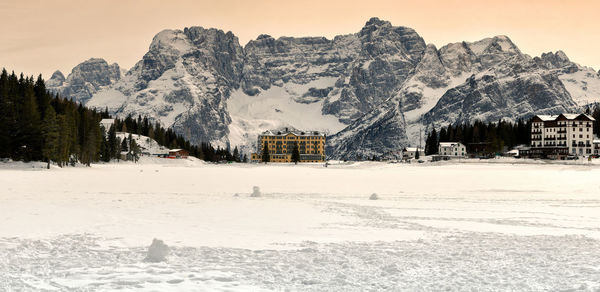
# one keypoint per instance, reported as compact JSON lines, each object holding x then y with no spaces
{"x":372,"y":91}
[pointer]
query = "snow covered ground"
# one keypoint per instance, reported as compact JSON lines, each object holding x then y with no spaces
{"x":435,"y":226}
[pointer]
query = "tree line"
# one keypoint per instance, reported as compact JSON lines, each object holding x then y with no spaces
{"x":481,"y":137}
{"x":168,"y":138}
{"x":37,"y":125}
{"x":594,"y":111}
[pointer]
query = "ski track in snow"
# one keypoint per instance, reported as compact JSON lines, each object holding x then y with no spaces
{"x":480,"y":227}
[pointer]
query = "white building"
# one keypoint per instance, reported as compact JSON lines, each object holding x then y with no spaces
{"x":411,"y":152}
{"x":596,"y":143}
{"x":454,"y":149}
{"x":562,"y":135}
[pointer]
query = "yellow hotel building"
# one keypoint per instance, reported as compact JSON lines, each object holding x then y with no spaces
{"x":311,"y":146}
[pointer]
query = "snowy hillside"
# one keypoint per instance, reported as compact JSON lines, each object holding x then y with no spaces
{"x":207,"y":87}
{"x":145,"y":143}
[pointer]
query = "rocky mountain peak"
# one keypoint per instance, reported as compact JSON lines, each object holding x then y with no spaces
{"x":375,"y":22}
{"x":57,"y":80}
{"x":264,"y":36}
{"x":380,"y":37}
{"x":85,"y":79}
{"x":372,"y":91}
{"x":57,"y":75}
{"x":170,"y":39}
{"x":552,"y":60}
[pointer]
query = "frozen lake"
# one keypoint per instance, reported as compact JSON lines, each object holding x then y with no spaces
{"x":448,"y":226}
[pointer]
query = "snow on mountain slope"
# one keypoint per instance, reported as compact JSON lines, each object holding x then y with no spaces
{"x":109,"y":98}
{"x":275,"y":108}
{"x":583,"y":85}
{"x":207,"y":87}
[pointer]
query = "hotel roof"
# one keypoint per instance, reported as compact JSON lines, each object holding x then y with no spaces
{"x":448,"y":144}
{"x":287,"y":131}
{"x":568,"y":116}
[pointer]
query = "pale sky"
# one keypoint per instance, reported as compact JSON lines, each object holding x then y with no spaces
{"x":40,"y":36}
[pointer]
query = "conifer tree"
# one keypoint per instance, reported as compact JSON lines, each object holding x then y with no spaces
{"x":236,"y":154}
{"x":130,"y":141}
{"x":104,"y":148}
{"x":295,"y":154}
{"x":64,"y":140}
{"x":135,"y":151}
{"x":124,"y":146}
{"x":28,"y":131}
{"x":431,"y":143}
{"x":265,"y":154}
{"x":50,"y":132}
{"x":6,"y":116}
{"x":113,"y":143}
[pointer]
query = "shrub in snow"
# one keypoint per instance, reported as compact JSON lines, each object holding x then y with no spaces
{"x":157,"y":252}
{"x":255,"y":191}
{"x":374,"y":197}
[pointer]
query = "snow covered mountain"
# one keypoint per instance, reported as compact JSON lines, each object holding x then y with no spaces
{"x":86,"y":79}
{"x":373,"y":91}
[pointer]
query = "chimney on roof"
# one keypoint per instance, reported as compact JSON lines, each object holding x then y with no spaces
{"x":286,"y":129}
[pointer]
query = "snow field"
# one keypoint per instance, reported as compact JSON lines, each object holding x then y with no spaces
{"x":445,"y":226}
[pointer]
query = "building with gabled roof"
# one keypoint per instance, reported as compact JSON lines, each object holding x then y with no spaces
{"x":557,"y":136}
{"x":178,"y":154}
{"x":280,"y":144}
{"x":453,"y":149}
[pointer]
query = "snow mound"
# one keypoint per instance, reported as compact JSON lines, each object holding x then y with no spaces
{"x":157,"y":252}
{"x":374,"y":197}
{"x":255,"y":192}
